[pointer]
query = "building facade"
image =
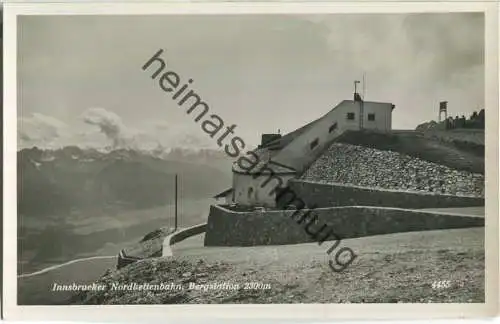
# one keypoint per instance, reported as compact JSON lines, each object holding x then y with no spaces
{"x":287,"y":157}
{"x":348,"y":115}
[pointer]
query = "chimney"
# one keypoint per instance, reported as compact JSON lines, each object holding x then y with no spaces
{"x":267,"y":138}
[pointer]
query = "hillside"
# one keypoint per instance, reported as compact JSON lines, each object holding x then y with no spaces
{"x":389,"y":268}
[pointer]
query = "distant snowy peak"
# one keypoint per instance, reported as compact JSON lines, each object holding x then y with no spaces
{"x":77,"y":154}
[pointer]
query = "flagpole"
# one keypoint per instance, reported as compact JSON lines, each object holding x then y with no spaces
{"x":364,"y":85}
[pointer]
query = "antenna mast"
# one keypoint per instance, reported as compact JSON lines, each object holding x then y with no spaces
{"x":364,"y":85}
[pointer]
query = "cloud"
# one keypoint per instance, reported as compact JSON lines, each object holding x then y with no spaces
{"x":160,"y":133}
{"x":440,"y":44}
{"x":161,"y":126}
{"x":288,"y":68}
{"x":111,"y":125}
{"x":150,"y":135}
{"x":412,"y":60}
{"x":455,"y":41}
{"x":46,"y":131}
{"x":40,"y":130}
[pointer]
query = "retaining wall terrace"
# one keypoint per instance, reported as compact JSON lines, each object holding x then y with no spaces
{"x":180,"y":236}
{"x":230,"y":228}
{"x":330,"y":195}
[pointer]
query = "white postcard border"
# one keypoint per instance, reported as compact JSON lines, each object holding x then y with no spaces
{"x":294,"y":311}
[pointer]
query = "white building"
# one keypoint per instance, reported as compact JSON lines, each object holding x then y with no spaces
{"x":282,"y":158}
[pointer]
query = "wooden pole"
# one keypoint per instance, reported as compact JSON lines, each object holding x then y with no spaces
{"x":176,"y":188}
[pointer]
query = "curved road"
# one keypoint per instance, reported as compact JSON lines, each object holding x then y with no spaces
{"x":466,"y":211}
{"x":27,"y":275}
{"x":193,"y":247}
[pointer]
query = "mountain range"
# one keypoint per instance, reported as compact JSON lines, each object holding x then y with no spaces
{"x":58,"y":181}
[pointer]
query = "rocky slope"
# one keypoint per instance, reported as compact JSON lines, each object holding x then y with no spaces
{"x":221,"y":283}
{"x":389,"y":269}
{"x":367,"y":167}
{"x":458,"y":155}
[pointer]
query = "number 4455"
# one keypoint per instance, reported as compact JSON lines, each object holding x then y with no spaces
{"x":441,"y":284}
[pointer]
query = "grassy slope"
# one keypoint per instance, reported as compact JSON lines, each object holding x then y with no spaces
{"x":389,"y":268}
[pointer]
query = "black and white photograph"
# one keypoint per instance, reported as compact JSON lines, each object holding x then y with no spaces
{"x":251,"y":158}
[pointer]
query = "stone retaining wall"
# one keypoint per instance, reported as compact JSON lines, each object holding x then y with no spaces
{"x":330,"y":195}
{"x":125,"y":260}
{"x":230,"y":228}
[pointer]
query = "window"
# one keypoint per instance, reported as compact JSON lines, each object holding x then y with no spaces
{"x":350,"y":116}
{"x":371,"y":117}
{"x":332,"y":128}
{"x":314,"y":143}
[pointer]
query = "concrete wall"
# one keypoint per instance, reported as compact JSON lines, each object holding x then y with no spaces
{"x":341,"y":115}
{"x":180,"y":236}
{"x":329,"y":195}
{"x":298,"y":154}
{"x":249,"y":191}
{"x":124,"y":260}
{"x":229,"y":228}
{"x":382,"y":112}
{"x":383,"y":116}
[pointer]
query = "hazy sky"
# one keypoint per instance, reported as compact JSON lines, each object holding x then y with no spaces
{"x":80,"y":79}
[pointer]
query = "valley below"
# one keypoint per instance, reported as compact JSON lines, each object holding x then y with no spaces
{"x":78,"y":208}
{"x":97,"y":234}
